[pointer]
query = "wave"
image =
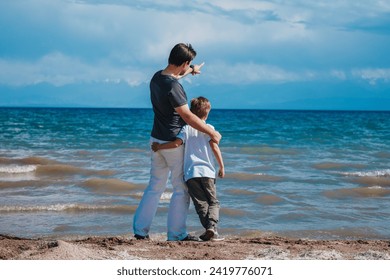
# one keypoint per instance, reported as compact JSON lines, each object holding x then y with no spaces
{"x":165,"y":196}
{"x":383,"y":155}
{"x":27,"y":161}
{"x":266,"y":150}
{"x":373,"y":181}
{"x":374,"y":191}
{"x":254,"y":177}
{"x":338,"y":233}
{"x":370,"y":178}
{"x":374,"y":173}
{"x":17,"y":169}
{"x":23,"y":181}
{"x":16,"y":173}
{"x":64,"y":169}
{"x":292,"y":216}
{"x":241,"y":192}
{"x":336,"y":165}
{"x":69,"y":208}
{"x":233,"y":212}
{"x":111,"y":185}
{"x":45,"y":167}
{"x":269,"y":199}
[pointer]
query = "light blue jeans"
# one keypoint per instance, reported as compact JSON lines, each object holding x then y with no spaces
{"x":164,"y":163}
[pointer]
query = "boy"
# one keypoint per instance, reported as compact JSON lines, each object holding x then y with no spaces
{"x":199,"y":170}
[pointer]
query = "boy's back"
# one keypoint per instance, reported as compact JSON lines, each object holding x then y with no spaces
{"x":198,"y":155}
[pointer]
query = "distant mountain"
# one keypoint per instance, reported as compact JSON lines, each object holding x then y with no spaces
{"x":300,"y":95}
{"x":78,"y":95}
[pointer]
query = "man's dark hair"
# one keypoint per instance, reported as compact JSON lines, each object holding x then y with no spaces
{"x":181,"y":53}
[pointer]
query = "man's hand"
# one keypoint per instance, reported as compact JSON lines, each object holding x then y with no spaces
{"x":216,"y":137}
{"x":197,"y":69}
{"x":155,"y":146}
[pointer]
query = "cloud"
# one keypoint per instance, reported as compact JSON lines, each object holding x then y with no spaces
{"x":248,"y":73}
{"x":338,"y":74}
{"x":68,"y":70}
{"x":247,"y":41}
{"x":373,"y":76}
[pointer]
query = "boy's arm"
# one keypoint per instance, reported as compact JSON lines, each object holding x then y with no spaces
{"x":169,"y":145}
{"x":218,"y":157}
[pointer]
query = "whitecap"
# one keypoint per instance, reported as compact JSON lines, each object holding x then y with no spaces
{"x":70,"y":207}
{"x":17,"y":169}
{"x":375,"y":187}
{"x":166,"y":196}
{"x":36,"y":208}
{"x":374,"y":173}
{"x":357,"y":192}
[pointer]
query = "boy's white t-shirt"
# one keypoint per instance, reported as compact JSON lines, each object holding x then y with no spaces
{"x":198,"y":156}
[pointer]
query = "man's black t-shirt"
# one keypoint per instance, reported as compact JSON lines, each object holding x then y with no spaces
{"x":166,"y":93}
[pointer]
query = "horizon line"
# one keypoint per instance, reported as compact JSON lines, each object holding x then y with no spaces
{"x":219,"y":109}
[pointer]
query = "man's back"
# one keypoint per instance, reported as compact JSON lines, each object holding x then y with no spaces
{"x":166,"y":93}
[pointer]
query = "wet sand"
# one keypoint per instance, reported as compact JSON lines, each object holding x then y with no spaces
{"x":232,"y":248}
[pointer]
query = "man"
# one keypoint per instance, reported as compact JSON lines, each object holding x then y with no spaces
{"x":171,"y":112}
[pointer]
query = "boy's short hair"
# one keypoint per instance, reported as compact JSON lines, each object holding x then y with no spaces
{"x":181,"y":53}
{"x":200,"y":106}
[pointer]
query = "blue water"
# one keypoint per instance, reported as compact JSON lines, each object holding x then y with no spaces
{"x":307,"y":174}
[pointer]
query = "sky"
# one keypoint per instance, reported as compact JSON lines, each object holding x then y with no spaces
{"x":277,"y":54}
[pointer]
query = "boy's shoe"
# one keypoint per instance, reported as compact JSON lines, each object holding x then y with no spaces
{"x":217,"y":238}
{"x":207,"y":235}
{"x":141,"y":237}
{"x":190,"y":237}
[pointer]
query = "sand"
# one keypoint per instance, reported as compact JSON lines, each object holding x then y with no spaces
{"x":232,"y":248}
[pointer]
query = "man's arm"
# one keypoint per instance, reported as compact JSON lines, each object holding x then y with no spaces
{"x":218,"y":157}
{"x":169,"y":145}
{"x":194,"y":71}
{"x":194,"y":121}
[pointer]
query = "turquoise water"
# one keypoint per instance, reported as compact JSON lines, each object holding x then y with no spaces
{"x":307,"y":174}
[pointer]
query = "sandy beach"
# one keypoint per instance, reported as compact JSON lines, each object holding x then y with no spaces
{"x":232,"y":248}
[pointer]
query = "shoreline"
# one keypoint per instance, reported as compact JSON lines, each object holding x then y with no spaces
{"x":232,"y":248}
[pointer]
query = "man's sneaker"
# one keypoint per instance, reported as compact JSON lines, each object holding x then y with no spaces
{"x":141,"y":237}
{"x":190,"y":238}
{"x":207,"y":235}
